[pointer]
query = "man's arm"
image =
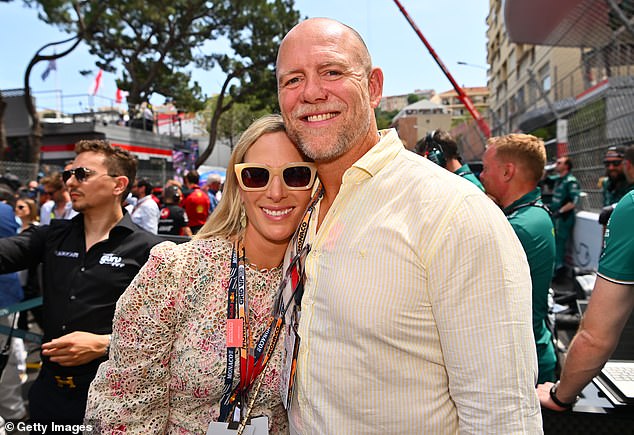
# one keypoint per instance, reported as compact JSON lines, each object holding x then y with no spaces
{"x":24,"y":250}
{"x":76,"y":348}
{"x":609,"y":308}
{"x":482,"y":306}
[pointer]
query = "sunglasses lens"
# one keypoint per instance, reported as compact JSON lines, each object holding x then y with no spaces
{"x":255,"y":178}
{"x":297,"y":176}
{"x":80,"y":174}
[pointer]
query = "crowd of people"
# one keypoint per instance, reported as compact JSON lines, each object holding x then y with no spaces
{"x":336,"y":283}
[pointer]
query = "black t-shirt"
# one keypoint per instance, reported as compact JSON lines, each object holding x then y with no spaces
{"x":80,"y":288}
{"x":172,"y":220}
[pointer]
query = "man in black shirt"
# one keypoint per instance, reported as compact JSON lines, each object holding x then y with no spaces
{"x":87,"y":264}
{"x":173,"y":219}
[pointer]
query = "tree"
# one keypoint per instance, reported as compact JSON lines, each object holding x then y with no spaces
{"x":384,"y":119}
{"x":154,"y":41}
{"x":234,"y":121}
{"x":158,"y":42}
{"x":80,"y":29}
{"x":412,"y":98}
{"x":255,"y":30}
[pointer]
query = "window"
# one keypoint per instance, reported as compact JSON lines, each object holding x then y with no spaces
{"x":544,"y":77}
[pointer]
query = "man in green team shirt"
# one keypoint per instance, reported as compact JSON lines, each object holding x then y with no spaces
{"x":609,"y":309}
{"x":439,"y":147}
{"x":565,"y":199}
{"x":512,"y":167}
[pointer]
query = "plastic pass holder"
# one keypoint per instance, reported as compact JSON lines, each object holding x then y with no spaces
{"x":258,"y":426}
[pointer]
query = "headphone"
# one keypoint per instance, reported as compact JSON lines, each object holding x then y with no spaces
{"x":434,"y":151}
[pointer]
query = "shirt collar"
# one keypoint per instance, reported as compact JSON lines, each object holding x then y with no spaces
{"x":533,"y":195}
{"x":376,"y":158}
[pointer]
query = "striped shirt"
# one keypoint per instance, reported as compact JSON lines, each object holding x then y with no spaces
{"x":416,"y":316}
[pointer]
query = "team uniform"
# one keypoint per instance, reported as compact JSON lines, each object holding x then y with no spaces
{"x":617,"y":259}
{"x":172,"y":221}
{"x":566,"y":190}
{"x":534,"y":227}
{"x":465,"y":172}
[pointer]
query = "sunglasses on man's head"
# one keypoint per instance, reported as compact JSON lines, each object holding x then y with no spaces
{"x":295,"y":176}
{"x":81,"y":174}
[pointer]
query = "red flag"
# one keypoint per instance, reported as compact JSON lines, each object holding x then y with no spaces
{"x":97,"y":82}
{"x":120,"y":95}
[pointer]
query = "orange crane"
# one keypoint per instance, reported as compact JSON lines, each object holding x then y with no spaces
{"x":462,"y":96}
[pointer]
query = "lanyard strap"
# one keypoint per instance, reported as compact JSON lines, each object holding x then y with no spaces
{"x":299,"y":237}
{"x":226,"y":402}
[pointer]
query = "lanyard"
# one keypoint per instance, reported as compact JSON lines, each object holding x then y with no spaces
{"x":253,"y":359}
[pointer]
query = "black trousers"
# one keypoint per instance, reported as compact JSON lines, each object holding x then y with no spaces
{"x":61,"y":401}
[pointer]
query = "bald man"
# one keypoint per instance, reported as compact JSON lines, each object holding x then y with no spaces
{"x":416,"y":311}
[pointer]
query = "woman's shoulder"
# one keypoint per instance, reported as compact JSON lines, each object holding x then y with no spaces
{"x":193,"y":252}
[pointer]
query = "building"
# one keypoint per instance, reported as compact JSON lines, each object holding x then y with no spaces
{"x":566,"y":76}
{"x":414,"y":121}
{"x":479,"y":95}
{"x":397,"y":102}
{"x":160,"y":156}
{"x":524,"y":77}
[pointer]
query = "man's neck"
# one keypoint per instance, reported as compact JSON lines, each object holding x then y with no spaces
{"x":331,"y":172}
{"x":515,"y":192}
{"x":453,"y":165}
{"x":98,"y":223}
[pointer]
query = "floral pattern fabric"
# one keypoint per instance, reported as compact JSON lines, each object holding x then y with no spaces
{"x":167,"y":361}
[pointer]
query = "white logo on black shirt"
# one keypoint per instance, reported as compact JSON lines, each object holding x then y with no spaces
{"x":112,"y":260}
{"x":68,"y":254}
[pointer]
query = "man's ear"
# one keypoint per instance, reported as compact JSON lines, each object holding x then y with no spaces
{"x":509,"y":171}
{"x":121,"y":185}
{"x":375,"y":87}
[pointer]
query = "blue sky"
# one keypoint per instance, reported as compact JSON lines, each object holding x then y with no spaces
{"x":456,"y":29}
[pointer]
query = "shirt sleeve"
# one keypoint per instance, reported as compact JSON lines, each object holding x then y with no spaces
{"x":617,"y":259}
{"x":130,"y":392}
{"x":481,"y":300}
{"x":575,"y":191}
{"x":24,"y":250}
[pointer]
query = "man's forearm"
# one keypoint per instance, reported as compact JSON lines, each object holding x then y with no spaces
{"x":586,"y":356}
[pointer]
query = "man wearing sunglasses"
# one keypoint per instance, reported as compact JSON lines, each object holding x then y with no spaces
{"x":88,"y":262}
{"x":416,"y":311}
{"x":614,"y":185}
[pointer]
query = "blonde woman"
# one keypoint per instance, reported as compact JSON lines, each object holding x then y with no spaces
{"x":168,"y":361}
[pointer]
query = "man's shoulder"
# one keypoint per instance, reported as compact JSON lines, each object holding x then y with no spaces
{"x":142,"y":237}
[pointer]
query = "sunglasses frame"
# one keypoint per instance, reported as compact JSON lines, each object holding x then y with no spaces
{"x":88,"y":173}
{"x":239,"y":167}
{"x":608,"y":163}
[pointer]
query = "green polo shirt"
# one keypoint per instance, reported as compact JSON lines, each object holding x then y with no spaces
{"x":534,"y":228}
{"x":617,"y":259}
{"x":566,"y":190}
{"x":613,"y":193}
{"x":465,"y":172}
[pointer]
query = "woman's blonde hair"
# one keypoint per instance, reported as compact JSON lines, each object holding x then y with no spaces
{"x":225,"y":219}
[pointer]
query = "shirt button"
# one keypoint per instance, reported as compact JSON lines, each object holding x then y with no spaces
{"x":73,"y":297}
{"x":82,"y":269}
{"x":63,"y":327}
